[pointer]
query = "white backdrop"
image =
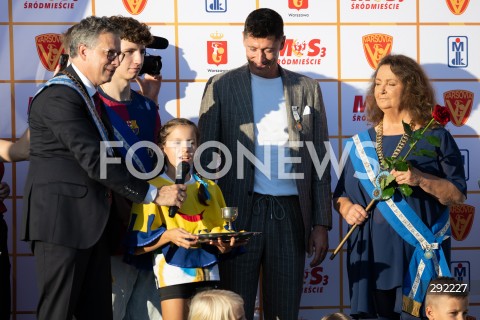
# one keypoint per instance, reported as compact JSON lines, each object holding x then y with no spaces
{"x":337,"y":42}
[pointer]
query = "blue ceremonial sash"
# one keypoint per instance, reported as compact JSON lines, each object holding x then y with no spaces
{"x":123,"y":133}
{"x":66,"y":81}
{"x":428,"y":260}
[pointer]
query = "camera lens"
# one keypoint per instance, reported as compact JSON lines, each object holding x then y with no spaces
{"x":151,"y":65}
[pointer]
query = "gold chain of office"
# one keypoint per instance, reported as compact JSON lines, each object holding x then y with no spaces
{"x":401,"y":144}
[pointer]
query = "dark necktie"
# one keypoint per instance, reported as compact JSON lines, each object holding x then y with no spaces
{"x":98,"y":103}
{"x":2,"y":206}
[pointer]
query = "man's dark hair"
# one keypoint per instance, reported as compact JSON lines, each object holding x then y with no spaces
{"x":133,"y":30}
{"x":263,"y":23}
{"x":87,"y":32}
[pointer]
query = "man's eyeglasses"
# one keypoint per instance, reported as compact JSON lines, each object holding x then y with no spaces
{"x":112,"y":55}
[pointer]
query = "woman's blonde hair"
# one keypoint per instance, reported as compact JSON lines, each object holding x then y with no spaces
{"x":216,"y":304}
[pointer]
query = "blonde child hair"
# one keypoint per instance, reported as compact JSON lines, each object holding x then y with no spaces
{"x":336,"y":316}
{"x":216,"y":304}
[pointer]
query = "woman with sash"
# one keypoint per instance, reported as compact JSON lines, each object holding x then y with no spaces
{"x":402,"y":243}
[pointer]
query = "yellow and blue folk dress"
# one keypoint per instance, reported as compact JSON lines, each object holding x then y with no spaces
{"x":176,"y":265}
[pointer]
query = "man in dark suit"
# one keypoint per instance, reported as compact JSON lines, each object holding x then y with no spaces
{"x":67,"y":194}
{"x":5,"y":289}
{"x":273,"y":114}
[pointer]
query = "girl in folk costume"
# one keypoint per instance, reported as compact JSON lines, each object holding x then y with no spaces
{"x":182,"y":265}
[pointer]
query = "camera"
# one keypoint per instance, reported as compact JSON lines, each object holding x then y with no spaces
{"x":152,"y":64}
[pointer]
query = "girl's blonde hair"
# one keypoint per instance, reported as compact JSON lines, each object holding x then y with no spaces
{"x":216,"y":304}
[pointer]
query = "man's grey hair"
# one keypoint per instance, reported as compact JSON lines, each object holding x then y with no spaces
{"x":87,"y":32}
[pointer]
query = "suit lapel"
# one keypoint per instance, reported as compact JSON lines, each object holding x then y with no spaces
{"x":244,"y":96}
{"x":293,"y":97}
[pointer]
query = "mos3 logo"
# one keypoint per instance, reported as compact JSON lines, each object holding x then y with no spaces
{"x":314,"y":280}
{"x":302,"y":52}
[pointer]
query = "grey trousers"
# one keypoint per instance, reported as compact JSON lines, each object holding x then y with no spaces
{"x":278,"y":253}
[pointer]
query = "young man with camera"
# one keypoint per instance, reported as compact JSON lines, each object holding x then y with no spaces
{"x":135,"y":118}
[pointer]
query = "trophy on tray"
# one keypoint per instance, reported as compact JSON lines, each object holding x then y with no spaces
{"x":229,"y":214}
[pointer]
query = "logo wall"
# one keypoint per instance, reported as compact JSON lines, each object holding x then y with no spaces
{"x":457,"y":7}
{"x":298,"y":4}
{"x":314,"y":280}
{"x":376,"y":46}
{"x":457,"y":52}
{"x":459,"y":103}
{"x":461,"y":220}
{"x":461,"y":271}
{"x":134,"y":7}
{"x":215,"y":6}
{"x":217,"y":51}
{"x":359,"y":105}
{"x":49,"y":48}
{"x":302,"y":52}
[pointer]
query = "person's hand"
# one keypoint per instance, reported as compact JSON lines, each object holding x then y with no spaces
{"x":150,"y":86}
{"x":225,"y":247}
{"x":412,"y":176}
{"x":356,"y":214}
{"x":318,"y":245}
{"x":173,"y":195}
{"x":4,"y":191}
{"x":180,"y":237}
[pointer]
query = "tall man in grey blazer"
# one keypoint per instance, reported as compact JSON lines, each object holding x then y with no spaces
{"x":278,"y":116}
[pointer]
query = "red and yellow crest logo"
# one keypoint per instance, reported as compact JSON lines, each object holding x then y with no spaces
{"x":457,"y":7}
{"x":49,"y":49}
{"x":134,"y":6}
{"x":134,"y":126}
{"x":298,"y":4}
{"x":376,"y":46}
{"x":217,"y":50}
{"x":459,"y":103}
{"x":461,"y":220}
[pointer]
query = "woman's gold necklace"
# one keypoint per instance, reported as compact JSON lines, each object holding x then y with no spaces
{"x":401,"y":144}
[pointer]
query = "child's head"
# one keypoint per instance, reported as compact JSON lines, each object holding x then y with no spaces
{"x":216,"y":305}
{"x":446,"y":298}
{"x":178,"y":140}
{"x":336,"y":316}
